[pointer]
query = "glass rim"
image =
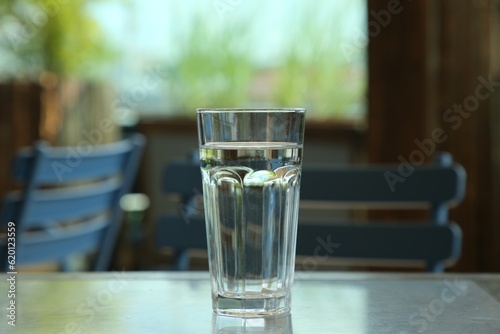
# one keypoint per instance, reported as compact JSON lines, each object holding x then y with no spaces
{"x":244,"y":110}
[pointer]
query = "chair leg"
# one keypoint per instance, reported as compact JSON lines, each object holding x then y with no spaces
{"x":181,"y":260}
{"x":435,"y":267}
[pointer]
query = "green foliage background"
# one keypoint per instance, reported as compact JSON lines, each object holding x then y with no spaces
{"x":212,"y":69}
{"x":215,"y":67}
{"x":58,"y":36}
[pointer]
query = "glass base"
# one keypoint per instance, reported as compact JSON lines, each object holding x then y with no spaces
{"x":250,"y":306}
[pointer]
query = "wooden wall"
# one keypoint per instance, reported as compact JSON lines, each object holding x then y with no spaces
{"x":428,"y":74}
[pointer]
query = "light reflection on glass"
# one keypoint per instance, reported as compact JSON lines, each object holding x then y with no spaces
{"x":232,"y":325}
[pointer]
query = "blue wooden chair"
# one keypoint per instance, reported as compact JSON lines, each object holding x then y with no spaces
{"x":70,"y":200}
{"x":434,"y":186}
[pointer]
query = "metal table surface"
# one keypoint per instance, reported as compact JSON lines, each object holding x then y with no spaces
{"x":176,"y":302}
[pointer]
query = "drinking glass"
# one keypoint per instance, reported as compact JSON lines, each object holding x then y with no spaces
{"x":251,"y":167}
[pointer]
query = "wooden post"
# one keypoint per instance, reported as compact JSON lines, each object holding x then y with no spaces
{"x":402,"y":85}
{"x":467,"y":93}
{"x":20,"y":109}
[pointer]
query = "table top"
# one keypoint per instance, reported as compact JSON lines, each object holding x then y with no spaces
{"x":176,"y":302}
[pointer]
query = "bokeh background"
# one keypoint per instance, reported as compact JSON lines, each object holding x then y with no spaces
{"x":376,"y":77}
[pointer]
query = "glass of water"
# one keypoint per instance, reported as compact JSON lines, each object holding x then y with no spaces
{"x":251,"y":167}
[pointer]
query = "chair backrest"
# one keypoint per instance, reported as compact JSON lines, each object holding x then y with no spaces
{"x":435,"y":186}
{"x":70,"y":199}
